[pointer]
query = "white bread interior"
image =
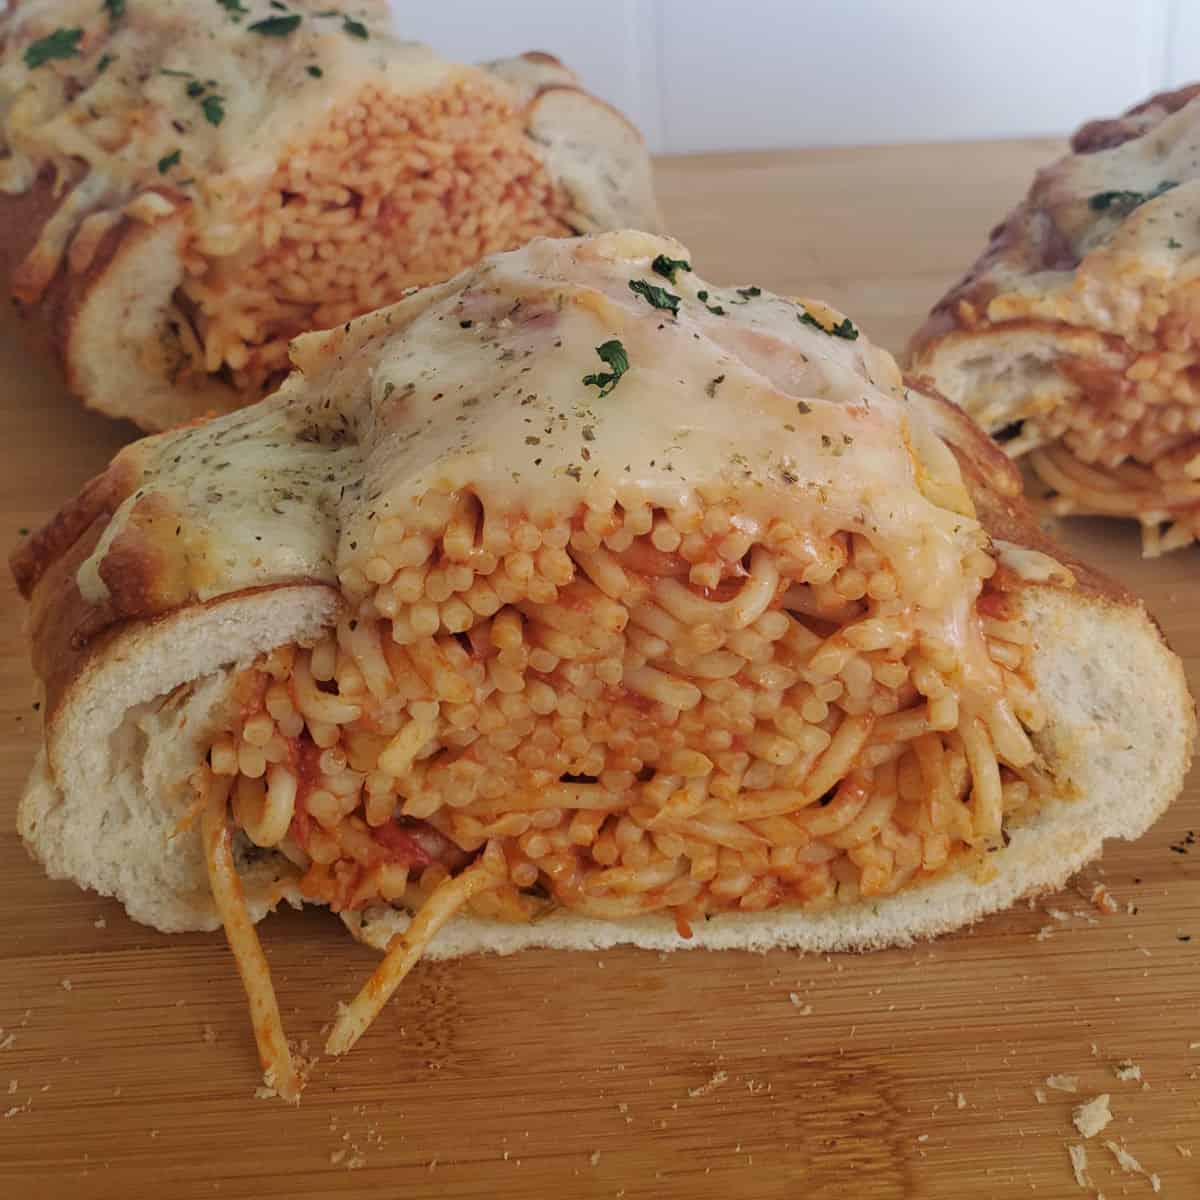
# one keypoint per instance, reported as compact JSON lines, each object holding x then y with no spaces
{"x":1002,"y":375}
{"x":105,"y":799}
{"x":123,"y":346}
{"x":1118,"y":742}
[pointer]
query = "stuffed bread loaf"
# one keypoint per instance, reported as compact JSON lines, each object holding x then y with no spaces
{"x":572,"y":602}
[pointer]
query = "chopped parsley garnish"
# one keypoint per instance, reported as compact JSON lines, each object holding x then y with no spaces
{"x":1174,"y":244}
{"x":747,"y":294}
{"x":276,"y":26}
{"x":168,"y":161}
{"x":233,"y":8}
{"x":115,"y":9}
{"x":843,"y":329}
{"x":104,"y":63}
{"x":612,"y":353}
{"x":715,"y":309}
{"x":1126,"y":202}
{"x":662,"y":265}
{"x":62,"y":43}
{"x":655,"y":296}
{"x":315,"y":72}
{"x":195,"y":88}
{"x":214,"y":109}
{"x":354,"y":28}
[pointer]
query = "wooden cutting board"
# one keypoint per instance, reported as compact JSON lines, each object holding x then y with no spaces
{"x":126,"y":1062}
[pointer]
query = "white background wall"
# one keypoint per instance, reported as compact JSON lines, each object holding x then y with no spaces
{"x":758,"y":74}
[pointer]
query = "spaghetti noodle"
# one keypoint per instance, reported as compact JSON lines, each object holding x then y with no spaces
{"x":749,"y":754}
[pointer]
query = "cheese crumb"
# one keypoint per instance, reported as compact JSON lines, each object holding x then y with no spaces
{"x":1063,"y":1083}
{"x":1092,"y":1116}
{"x":1079,"y":1164}
{"x":1131,"y":1166}
{"x":1102,"y":899}
{"x":805,"y":1009}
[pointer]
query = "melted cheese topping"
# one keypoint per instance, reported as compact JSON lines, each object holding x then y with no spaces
{"x":479,"y":384}
{"x":1127,"y":216}
{"x":134,"y":93}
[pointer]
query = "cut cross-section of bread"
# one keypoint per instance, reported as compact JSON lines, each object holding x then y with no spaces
{"x":575,"y":601}
{"x":1074,"y":337}
{"x":185,"y":186}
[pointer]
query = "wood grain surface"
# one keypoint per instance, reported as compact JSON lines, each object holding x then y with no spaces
{"x":126,"y":1063}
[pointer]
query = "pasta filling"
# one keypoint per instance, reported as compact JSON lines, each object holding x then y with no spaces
{"x":1128,"y":444}
{"x":630,"y":712}
{"x":396,"y":192}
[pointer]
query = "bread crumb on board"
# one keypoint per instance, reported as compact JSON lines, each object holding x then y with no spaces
{"x":1130,"y":1165}
{"x":1184,"y":1151}
{"x":1127,"y":1071}
{"x":1062,"y":1083}
{"x":1079,"y":1164}
{"x":718,"y":1078}
{"x":797,"y":1002}
{"x":67,"y":985}
{"x":1092,"y":1116}
{"x":1039,"y":1094}
{"x":100,"y":923}
{"x":1102,"y":898}
{"x":594,"y":1158}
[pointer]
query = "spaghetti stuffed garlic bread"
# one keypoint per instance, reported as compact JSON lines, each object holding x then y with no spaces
{"x":1073,"y":338}
{"x":575,"y":602}
{"x":186,"y":185}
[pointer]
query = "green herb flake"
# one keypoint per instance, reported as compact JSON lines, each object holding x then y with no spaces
{"x":1174,"y":244}
{"x":115,"y":9}
{"x":214,"y":109}
{"x":612,"y":353}
{"x":1125,"y":202}
{"x":168,"y":161}
{"x":233,"y":8}
{"x":843,"y":329}
{"x":655,"y":296}
{"x":662,"y":265}
{"x":62,"y":43}
{"x":315,"y":72}
{"x":747,"y":294}
{"x":275,"y":26}
{"x":104,"y":63}
{"x":195,"y":88}
{"x":354,"y":28}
